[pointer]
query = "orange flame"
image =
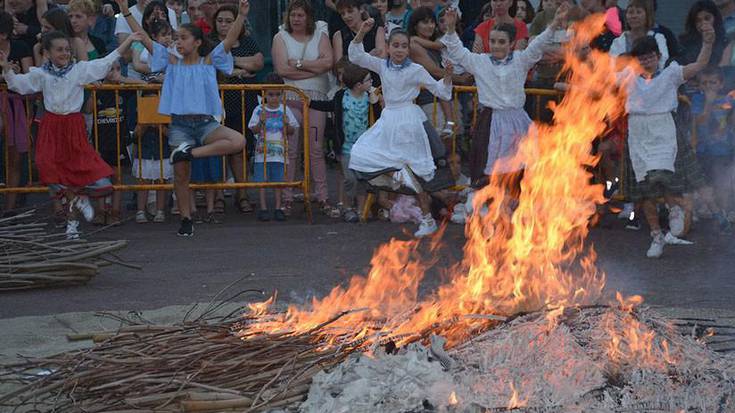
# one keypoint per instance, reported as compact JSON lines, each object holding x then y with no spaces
{"x":453,"y":399}
{"x":515,"y":402}
{"x":633,"y":342}
{"x":527,"y":253}
{"x":627,"y":304}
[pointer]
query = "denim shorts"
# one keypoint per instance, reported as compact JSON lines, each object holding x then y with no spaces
{"x":191,"y":129}
{"x":274,"y":172}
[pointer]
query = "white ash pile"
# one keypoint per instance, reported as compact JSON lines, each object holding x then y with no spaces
{"x":576,"y":360}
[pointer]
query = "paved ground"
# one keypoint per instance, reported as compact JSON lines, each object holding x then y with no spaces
{"x":301,"y":260}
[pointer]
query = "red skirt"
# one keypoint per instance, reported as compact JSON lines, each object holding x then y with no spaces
{"x":64,"y":155}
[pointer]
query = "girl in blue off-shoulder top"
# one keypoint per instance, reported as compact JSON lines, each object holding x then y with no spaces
{"x":190,"y":95}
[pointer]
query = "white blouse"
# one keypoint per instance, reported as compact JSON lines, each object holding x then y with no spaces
{"x":61,"y":95}
{"x":400,"y":87}
{"x":621,"y":46}
{"x":500,"y":86}
{"x":653,"y":96}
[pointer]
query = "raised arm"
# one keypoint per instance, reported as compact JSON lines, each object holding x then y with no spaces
{"x":457,"y":52}
{"x":236,"y":27}
{"x":97,"y":69}
{"x":134,"y":26}
{"x":24,"y":84}
{"x":536,"y":49}
{"x":357,"y":53}
{"x":708,"y":39}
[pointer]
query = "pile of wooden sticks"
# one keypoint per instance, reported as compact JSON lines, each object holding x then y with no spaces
{"x":31,"y":257}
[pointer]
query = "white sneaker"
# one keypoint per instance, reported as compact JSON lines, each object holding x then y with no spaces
{"x":81,"y":203}
{"x":657,"y":245}
{"x":459,"y":215}
{"x":141,"y":218}
{"x":628,"y":208}
{"x":670,"y":239}
{"x":72,"y":229}
{"x":676,"y":220}
{"x":427,"y":227}
{"x":159,"y":217}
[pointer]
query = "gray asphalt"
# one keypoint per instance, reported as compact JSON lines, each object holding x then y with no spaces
{"x":301,"y":260}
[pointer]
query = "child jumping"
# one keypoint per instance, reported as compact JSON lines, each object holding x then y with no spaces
{"x":398,"y":142}
{"x":190,"y":95}
{"x":500,"y":77}
{"x":652,"y":134}
{"x":271,"y":125}
{"x":65,"y":159}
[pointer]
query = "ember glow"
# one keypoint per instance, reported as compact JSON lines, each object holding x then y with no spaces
{"x":527,"y":254}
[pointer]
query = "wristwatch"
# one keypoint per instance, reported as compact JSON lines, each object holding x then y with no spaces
{"x":299,"y":64}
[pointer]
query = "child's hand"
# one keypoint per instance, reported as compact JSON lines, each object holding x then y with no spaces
{"x":263,"y":117}
{"x":561,"y":15}
{"x":450,"y":18}
{"x":708,"y":34}
{"x":367,"y":25}
{"x":244,"y":7}
{"x":107,"y":10}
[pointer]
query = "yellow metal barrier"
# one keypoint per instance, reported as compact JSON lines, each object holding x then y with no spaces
{"x":304,"y":183}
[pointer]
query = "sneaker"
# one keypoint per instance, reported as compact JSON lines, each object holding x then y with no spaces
{"x":141,"y":217}
{"x":670,"y":239}
{"x":459,"y":214}
{"x":384,"y":214}
{"x":264,"y":215}
{"x":611,"y":188}
{"x":279,"y":215}
{"x":657,"y":245}
{"x":81,"y":203}
{"x":159,"y":217}
{"x":72,"y":229}
{"x":633,"y":224}
{"x":427,"y":227}
{"x":187,"y":228}
{"x":628,"y":209}
{"x":351,"y":216}
{"x":676,"y":220}
{"x":181,"y":153}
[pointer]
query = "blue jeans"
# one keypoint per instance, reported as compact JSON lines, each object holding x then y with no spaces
{"x":190,"y":129}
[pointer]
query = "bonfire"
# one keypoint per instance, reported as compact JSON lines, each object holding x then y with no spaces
{"x":519,"y":324}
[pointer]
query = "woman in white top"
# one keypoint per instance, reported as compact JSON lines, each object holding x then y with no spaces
{"x":302,"y":56}
{"x":639,"y":19}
